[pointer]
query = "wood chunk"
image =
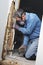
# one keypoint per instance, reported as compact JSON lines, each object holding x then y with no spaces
{"x":9,"y":62}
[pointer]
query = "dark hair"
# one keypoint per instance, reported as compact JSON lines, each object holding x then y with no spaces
{"x":19,"y":13}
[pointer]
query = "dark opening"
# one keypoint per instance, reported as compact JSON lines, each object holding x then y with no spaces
{"x":18,"y":38}
{"x":35,"y":6}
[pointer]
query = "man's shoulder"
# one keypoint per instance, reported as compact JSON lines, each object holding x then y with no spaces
{"x":31,"y":14}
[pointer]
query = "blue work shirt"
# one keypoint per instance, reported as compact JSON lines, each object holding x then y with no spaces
{"x":31,"y":29}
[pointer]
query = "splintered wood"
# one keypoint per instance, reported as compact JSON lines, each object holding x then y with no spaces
{"x":8,"y":62}
{"x":9,"y":32}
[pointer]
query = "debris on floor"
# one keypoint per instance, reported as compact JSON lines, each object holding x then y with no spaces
{"x":14,"y":60}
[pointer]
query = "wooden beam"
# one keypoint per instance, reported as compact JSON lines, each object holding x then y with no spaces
{"x":8,"y":38}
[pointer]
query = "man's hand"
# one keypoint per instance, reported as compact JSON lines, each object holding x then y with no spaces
{"x":16,"y":27}
{"x":22,"y":48}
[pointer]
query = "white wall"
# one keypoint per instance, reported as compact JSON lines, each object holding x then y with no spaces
{"x":17,"y":4}
{"x":39,"y":60}
{"x":4,"y":5}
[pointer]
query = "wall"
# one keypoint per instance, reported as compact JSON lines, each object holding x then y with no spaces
{"x":4,"y":5}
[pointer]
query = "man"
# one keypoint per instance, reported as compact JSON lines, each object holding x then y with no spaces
{"x":31,"y":31}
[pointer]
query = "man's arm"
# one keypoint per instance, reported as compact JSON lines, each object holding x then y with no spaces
{"x":30,"y":26}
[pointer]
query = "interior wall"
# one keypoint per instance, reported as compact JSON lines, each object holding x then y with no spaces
{"x":4,"y":10}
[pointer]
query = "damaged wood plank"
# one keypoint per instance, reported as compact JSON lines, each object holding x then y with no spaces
{"x":8,"y":38}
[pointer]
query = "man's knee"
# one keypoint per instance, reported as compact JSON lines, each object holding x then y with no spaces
{"x":33,"y":57}
{"x":27,"y":56}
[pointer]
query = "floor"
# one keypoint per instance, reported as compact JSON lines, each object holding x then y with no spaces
{"x":20,"y":60}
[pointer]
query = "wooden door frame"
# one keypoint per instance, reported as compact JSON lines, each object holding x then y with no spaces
{"x":9,"y":33}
